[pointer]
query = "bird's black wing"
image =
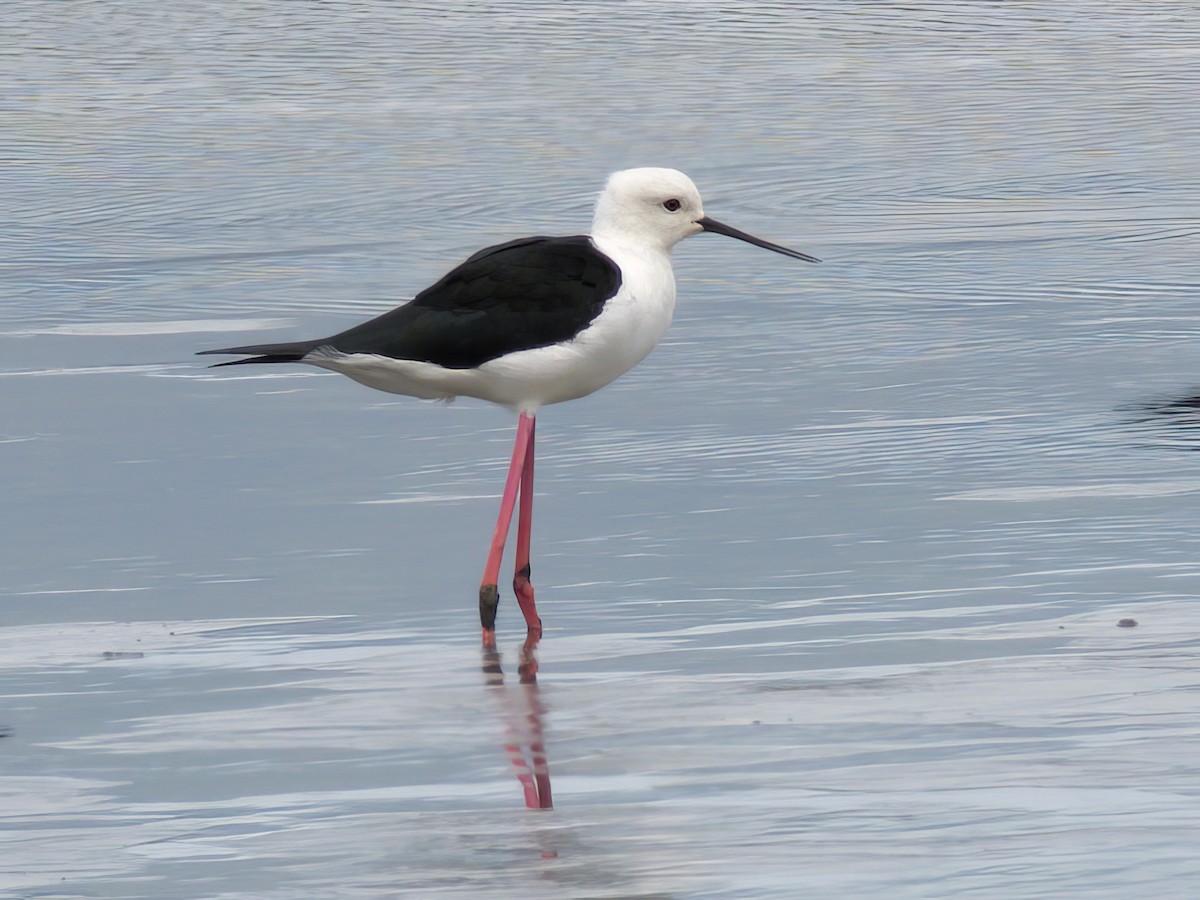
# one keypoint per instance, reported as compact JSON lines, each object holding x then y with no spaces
{"x":527,"y":293}
{"x":516,"y":296}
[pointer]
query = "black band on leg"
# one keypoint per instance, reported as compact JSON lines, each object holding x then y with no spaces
{"x":489,"y":602}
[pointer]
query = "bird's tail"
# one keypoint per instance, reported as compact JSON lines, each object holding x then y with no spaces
{"x":265,"y":353}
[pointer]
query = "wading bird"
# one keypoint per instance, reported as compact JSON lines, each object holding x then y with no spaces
{"x":528,"y":323}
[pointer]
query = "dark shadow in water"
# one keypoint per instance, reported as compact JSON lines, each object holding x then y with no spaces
{"x":522,"y":713}
{"x":1181,"y":415}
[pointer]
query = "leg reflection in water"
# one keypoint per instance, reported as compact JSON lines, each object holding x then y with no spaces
{"x":522,"y":710}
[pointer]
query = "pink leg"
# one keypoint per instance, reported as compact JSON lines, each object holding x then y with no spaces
{"x":489,"y":593}
{"x":521,"y":586}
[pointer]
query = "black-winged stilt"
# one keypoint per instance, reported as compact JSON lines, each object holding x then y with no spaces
{"x":535,"y":321}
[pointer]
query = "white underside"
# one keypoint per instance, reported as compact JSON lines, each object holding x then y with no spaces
{"x":619,"y":338}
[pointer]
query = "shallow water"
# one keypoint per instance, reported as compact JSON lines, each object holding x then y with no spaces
{"x":831,"y":582}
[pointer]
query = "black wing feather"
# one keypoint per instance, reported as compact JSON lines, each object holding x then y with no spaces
{"x":527,"y":293}
{"x":271,"y":353}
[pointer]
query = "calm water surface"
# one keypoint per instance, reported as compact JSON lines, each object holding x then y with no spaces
{"x":831,"y":582}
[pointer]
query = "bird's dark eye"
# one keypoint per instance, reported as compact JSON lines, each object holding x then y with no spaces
{"x":671,"y":205}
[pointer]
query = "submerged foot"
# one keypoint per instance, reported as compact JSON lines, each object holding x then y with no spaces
{"x":528,"y":667}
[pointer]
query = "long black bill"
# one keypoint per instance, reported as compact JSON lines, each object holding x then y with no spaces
{"x":729,"y":231}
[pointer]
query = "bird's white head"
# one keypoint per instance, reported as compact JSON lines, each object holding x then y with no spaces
{"x":658,"y":208}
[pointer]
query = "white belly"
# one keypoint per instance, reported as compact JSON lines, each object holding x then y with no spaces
{"x":627,"y":329}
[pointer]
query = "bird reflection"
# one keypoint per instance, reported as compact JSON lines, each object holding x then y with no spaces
{"x":522,"y":711}
{"x":1181,"y":414}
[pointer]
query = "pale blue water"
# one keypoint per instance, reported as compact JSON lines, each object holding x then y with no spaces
{"x":831,"y":582}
